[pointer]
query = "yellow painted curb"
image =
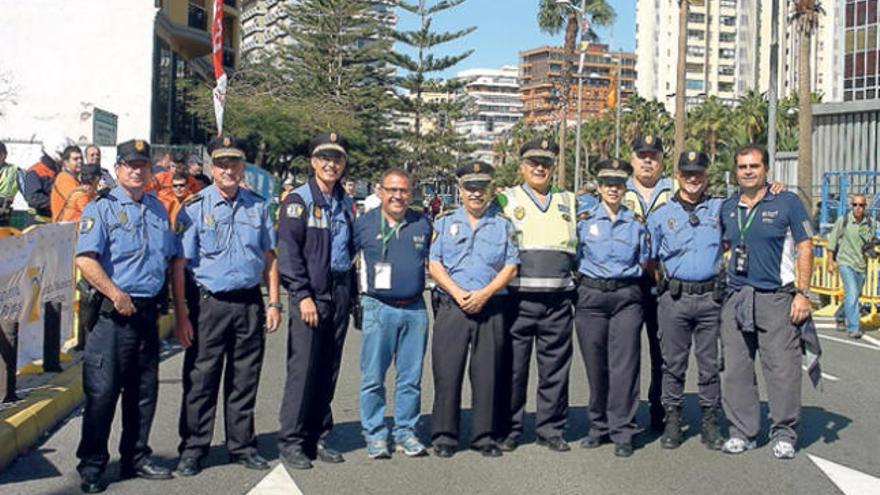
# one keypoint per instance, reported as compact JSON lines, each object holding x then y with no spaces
{"x":23,"y":425}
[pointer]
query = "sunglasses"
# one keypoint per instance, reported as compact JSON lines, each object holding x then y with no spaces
{"x":859,"y":204}
{"x":178,"y":186}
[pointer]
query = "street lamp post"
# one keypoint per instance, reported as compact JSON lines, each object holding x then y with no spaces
{"x":617,"y":102}
{"x":580,"y":117}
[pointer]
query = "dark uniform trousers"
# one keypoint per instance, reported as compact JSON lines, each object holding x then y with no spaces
{"x":776,"y":339}
{"x":649,"y":314}
{"x":546,"y":320}
{"x":230,"y":327}
{"x":690,"y":316}
{"x":608,"y":325}
{"x":456,"y":333}
{"x":121,"y":357}
{"x":313,"y":359}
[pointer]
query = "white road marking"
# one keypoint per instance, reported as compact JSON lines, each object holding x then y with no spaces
{"x":871,"y":340}
{"x":277,"y":482}
{"x":848,"y":480}
{"x":849,"y":342}
{"x":827,"y":376}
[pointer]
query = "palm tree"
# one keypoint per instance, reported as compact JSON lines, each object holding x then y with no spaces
{"x":752,"y":112}
{"x":680,"y":86}
{"x":707,"y":121}
{"x":552,"y":17}
{"x":806,"y":20}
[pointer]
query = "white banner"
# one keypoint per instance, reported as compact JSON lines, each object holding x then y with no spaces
{"x":36,"y":268}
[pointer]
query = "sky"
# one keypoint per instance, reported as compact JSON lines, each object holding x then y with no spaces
{"x":505,"y":27}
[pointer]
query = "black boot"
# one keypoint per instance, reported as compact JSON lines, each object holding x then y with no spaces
{"x":672,"y":435}
{"x":709,"y":430}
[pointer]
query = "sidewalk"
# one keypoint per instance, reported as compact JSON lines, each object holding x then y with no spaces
{"x":23,"y":423}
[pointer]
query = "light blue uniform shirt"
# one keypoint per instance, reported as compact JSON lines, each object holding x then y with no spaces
{"x":340,"y":232}
{"x":689,"y":253}
{"x":473,"y":257}
{"x":225,"y":241}
{"x":132,"y":240}
{"x":586,"y":202}
{"x":611,"y":250}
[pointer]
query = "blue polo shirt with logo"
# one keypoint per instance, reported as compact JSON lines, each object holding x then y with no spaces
{"x":407,"y":251}
{"x":780,"y":222}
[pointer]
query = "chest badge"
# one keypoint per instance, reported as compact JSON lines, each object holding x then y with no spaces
{"x":122,"y":217}
{"x":453,"y":230}
{"x":594,"y":230}
{"x":671,"y":223}
{"x":209,"y":220}
{"x":519,"y":212}
{"x":316,"y":212}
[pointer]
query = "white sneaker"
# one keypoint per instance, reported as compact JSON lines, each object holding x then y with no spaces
{"x":783,"y":449}
{"x":736,"y":445}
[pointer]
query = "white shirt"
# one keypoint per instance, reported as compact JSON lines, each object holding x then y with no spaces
{"x":372,"y":202}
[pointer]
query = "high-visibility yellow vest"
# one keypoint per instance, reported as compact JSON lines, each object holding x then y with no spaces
{"x":8,"y":180}
{"x":664,"y":191}
{"x":547,"y":239}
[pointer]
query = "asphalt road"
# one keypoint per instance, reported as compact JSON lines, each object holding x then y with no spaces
{"x":839,"y":424}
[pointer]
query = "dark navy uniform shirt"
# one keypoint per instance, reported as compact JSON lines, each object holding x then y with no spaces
{"x":225,"y":241}
{"x":406,"y":249}
{"x":779,"y":223}
{"x":132,"y":240}
{"x":688,"y":252}
{"x":474,"y":256}
{"x":611,"y":249}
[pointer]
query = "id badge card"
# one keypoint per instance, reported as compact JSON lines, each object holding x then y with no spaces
{"x":741,"y":260}
{"x":382,"y":276}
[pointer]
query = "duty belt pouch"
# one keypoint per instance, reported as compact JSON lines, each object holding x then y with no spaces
{"x":90,"y":300}
{"x":675,"y":289}
{"x":720,"y":289}
{"x":357,"y":313}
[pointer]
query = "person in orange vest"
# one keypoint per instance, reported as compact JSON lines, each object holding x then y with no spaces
{"x":67,"y":180}
{"x":40,"y":176}
{"x":160,"y":186}
{"x":89,"y":178}
{"x":181,"y":192}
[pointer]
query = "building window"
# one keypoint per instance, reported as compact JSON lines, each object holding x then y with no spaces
{"x":197,"y":17}
{"x":725,"y":87}
{"x":727,"y":20}
{"x":697,"y":18}
{"x":726,"y":53}
{"x":727,"y":37}
{"x":726,"y":70}
{"x":696,"y":51}
{"x":696,"y":34}
{"x":694,"y":84}
{"x":698,"y":68}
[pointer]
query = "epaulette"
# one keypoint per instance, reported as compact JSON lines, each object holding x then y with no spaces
{"x":639,"y":218}
{"x":584,"y":215}
{"x":258,"y":195}
{"x":441,"y":215}
{"x":105,"y":194}
{"x":193,"y":199}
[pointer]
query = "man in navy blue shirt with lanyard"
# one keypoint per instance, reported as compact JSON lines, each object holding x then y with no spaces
{"x":767,"y":301}
{"x":124,"y":244}
{"x":315,"y":253}
{"x":394,"y":242}
{"x":227,"y":241}
{"x":473,"y":257}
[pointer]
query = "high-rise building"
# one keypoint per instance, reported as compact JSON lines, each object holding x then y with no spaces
{"x":541,"y":80}
{"x":861,"y":49}
{"x":492,"y":106}
{"x":728,"y":50}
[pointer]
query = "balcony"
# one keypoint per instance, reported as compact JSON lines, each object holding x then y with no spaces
{"x":185,"y":39}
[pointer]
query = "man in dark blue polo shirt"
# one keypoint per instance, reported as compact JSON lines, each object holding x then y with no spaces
{"x":393,"y":242}
{"x":768,"y":234}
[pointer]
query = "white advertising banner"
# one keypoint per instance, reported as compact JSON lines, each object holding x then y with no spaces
{"x":37,"y":268}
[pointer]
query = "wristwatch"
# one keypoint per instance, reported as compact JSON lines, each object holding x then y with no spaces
{"x":277,"y":306}
{"x":804,"y":292}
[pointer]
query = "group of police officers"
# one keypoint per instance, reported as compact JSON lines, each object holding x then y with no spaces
{"x":513,"y":272}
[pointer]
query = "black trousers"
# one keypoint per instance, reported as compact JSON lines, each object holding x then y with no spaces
{"x":652,"y":327}
{"x":313,"y":359}
{"x":228,"y":340}
{"x":457,"y":334}
{"x":608,"y":325}
{"x":121,"y":358}
{"x":545,"y":321}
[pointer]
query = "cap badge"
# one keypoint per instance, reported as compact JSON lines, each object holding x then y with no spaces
{"x":226,"y":141}
{"x":692,"y":155}
{"x":476,"y":168}
{"x":545,"y":144}
{"x":333,"y":137}
{"x":649,"y":139}
{"x":138,"y":145}
{"x":615,"y":164}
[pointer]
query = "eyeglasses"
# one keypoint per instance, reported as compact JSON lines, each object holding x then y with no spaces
{"x":397,"y":191}
{"x":532,"y":164}
{"x":854,"y":205}
{"x":178,"y":186}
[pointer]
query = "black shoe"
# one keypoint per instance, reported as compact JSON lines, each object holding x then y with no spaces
{"x":490,"y":450}
{"x":445,"y":451}
{"x":147,"y":471}
{"x":189,"y":466}
{"x":591,"y":442}
{"x":556,"y":444}
{"x":509,"y":444}
{"x":295,"y":459}
{"x":326,"y":454}
{"x":250,"y":461}
{"x":623,"y":449}
{"x":91,"y":483}
{"x":710,"y":433}
{"x":657,"y":422}
{"x":672,"y":435}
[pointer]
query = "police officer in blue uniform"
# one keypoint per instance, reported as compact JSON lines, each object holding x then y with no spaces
{"x":473,"y":258}
{"x":315,"y":252}
{"x":123,"y":249}
{"x":686,"y":242}
{"x":612,"y":254}
{"x":227,"y":238}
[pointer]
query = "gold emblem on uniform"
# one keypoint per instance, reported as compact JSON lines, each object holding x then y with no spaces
{"x":519,"y":212}
{"x":294,"y":210}
{"x":333,"y":137}
{"x":649,"y":139}
{"x":545,"y":144}
{"x":566,"y":217}
{"x":316,"y":211}
{"x":209,"y":219}
{"x":630,"y":204}
{"x":476,"y":168}
{"x":671,"y":223}
{"x":138,"y":145}
{"x":122,"y":217}
{"x":226,"y":141}
{"x":86,"y":225}
{"x":692,"y":155}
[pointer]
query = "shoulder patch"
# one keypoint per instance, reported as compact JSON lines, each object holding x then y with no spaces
{"x":294,"y":210}
{"x":86,"y":224}
{"x":445,"y":213}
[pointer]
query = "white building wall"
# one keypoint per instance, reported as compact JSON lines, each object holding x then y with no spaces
{"x":68,"y":57}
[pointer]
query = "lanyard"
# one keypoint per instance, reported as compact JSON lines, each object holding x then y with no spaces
{"x":386,"y":236}
{"x":743,"y":229}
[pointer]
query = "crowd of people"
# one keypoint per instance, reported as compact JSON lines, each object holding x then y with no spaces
{"x":523,"y":270}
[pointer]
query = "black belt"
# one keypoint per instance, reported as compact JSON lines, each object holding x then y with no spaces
{"x":140,"y":303}
{"x":234,"y":295}
{"x":607,"y":283}
{"x":398,"y":302}
{"x":692,"y":288}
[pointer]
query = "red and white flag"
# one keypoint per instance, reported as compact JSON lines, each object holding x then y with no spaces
{"x":219,"y":73}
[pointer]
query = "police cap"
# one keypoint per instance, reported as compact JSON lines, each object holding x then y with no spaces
{"x":133,"y":150}
{"x":613,"y":171}
{"x":647,"y":142}
{"x":475,"y":174}
{"x":693,"y":161}
{"x":540,"y":151}
{"x":329,"y":143}
{"x":225,"y":147}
